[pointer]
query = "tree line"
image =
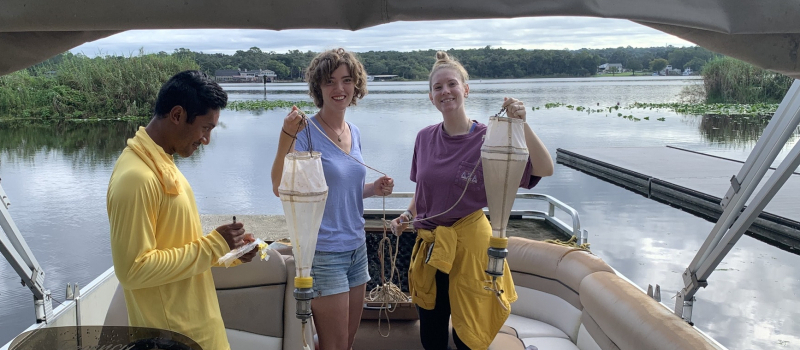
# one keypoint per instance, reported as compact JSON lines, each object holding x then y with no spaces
{"x":486,"y":63}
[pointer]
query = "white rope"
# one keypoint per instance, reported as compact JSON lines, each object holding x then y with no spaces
{"x":303,"y":335}
{"x":308,"y":121}
{"x":388,"y":292}
{"x":469,"y":178}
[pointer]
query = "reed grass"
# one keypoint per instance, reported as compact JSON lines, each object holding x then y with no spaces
{"x":728,"y":80}
{"x":79,"y":87}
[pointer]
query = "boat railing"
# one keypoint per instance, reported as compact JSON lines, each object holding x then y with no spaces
{"x":568,"y":229}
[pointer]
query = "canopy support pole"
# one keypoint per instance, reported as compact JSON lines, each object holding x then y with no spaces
{"x":19,"y":255}
{"x":731,"y":225}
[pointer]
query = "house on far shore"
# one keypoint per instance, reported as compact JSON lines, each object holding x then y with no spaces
{"x":604,"y":68}
{"x":244,"y":76}
{"x":668,"y":70}
{"x":381,"y":77}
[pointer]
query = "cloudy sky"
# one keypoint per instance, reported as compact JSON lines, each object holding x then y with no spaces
{"x":526,"y":33}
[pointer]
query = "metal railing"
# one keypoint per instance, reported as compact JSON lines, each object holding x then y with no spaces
{"x":573,"y":229}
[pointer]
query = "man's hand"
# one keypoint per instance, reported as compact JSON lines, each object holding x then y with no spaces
{"x":248,"y":257}
{"x":233,"y":234}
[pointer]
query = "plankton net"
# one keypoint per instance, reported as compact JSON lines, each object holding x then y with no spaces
{"x":504,"y":156}
{"x":303,"y":192}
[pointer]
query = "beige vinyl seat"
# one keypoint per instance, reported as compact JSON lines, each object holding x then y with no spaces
{"x":571,"y":299}
{"x":567,"y":300}
{"x":256,"y":302}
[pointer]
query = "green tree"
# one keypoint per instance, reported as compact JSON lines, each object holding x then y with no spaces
{"x":280,"y":69}
{"x":658,"y":64}
{"x":696,"y":64}
{"x":634,"y":65}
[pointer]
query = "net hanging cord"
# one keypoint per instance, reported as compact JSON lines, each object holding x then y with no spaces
{"x":469,"y":179}
{"x":388,"y":292}
{"x":306,"y":119}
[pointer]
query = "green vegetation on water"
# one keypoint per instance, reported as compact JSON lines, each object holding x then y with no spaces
{"x":758,"y":111}
{"x":722,"y":109}
{"x":254,"y":105}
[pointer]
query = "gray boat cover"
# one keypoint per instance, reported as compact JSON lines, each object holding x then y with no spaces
{"x":765,"y":33}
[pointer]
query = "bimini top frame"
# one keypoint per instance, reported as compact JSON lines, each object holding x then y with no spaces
{"x":17,"y":252}
{"x":765,"y":33}
{"x":731,"y":225}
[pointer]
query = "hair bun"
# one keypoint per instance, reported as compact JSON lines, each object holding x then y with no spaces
{"x":442,"y":56}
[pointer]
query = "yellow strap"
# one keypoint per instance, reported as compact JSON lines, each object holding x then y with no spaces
{"x":303,"y":282}
{"x":498,"y":242}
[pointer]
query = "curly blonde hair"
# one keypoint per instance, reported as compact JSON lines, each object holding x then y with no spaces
{"x":325,"y":63}
{"x":443,"y":60}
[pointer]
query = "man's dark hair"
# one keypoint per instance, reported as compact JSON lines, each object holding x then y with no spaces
{"x":194,"y":91}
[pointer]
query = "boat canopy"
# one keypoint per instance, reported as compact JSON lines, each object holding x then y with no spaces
{"x":765,"y":33}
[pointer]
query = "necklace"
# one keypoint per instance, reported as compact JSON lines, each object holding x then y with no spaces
{"x":339,"y":136}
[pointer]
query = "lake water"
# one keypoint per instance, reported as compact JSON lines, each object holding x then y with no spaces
{"x":56,"y":180}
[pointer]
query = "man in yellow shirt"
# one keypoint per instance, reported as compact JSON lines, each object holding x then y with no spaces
{"x":161,"y":257}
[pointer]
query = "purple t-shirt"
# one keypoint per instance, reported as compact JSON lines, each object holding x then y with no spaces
{"x":441,"y":166}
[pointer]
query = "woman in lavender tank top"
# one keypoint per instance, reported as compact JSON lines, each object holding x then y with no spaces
{"x":444,"y":156}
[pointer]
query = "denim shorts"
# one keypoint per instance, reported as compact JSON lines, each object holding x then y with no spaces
{"x":337,"y":272}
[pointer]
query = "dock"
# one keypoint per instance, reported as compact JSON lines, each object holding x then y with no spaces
{"x":692,"y":181}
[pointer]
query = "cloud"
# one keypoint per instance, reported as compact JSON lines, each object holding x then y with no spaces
{"x":519,"y":33}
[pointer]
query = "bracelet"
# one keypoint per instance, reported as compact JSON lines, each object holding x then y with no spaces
{"x":288,"y":134}
{"x":407,"y":214}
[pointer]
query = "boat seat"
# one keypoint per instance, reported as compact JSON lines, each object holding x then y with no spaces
{"x":530,"y":328}
{"x":570,"y":299}
{"x":241,"y":290}
{"x":547,"y":278}
{"x":247,"y":295}
{"x":404,"y":334}
{"x":632,"y":320}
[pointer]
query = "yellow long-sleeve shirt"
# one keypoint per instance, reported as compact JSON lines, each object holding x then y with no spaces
{"x":160,"y":255}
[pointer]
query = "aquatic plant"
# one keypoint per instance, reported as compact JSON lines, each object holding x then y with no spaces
{"x":254,"y":105}
{"x":756,"y":109}
{"x":728,"y":80}
{"x":762,"y":111}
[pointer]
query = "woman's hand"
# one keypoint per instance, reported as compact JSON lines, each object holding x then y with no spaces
{"x":294,"y":122}
{"x":400,"y":223}
{"x":514,"y":108}
{"x":383,"y":186}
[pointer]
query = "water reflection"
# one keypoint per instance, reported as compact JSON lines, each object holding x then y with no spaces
{"x":82,"y":143}
{"x":736,"y":131}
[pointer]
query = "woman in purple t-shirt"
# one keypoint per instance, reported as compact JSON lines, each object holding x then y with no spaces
{"x":444,"y":156}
